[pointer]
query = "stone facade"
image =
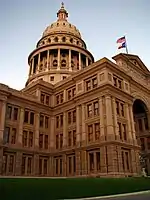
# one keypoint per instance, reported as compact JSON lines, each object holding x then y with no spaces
{"x":76,"y":117}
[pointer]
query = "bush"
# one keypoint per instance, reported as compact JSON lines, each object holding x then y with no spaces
{"x":43,"y":189}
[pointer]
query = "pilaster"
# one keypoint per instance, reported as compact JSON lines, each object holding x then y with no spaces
{"x":20,"y":129}
{"x":129,"y":136}
{"x":52,"y":133}
{"x":84,"y":162}
{"x":109,"y":118}
{"x":2,"y":119}
{"x":64,"y":129}
{"x":83,"y":126}
{"x":80,"y":65}
{"x":78,"y":125}
{"x":116,"y":128}
{"x":36,"y":165}
{"x":101,"y":110}
{"x":18,"y":163}
{"x":37,"y":118}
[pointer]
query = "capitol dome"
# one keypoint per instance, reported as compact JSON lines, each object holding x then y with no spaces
{"x":59,"y":53}
{"x":62,"y":25}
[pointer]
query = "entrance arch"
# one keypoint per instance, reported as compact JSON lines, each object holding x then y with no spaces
{"x":142,"y":128}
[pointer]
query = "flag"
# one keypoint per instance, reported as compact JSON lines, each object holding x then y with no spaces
{"x":122,"y":42}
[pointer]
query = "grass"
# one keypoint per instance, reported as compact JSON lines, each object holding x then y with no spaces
{"x":49,"y":189}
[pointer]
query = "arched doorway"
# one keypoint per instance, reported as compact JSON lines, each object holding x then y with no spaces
{"x":142,"y":127}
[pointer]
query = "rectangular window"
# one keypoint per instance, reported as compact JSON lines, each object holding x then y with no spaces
{"x":30,"y":139}
{"x":42,"y":98}
{"x":88,"y":85}
{"x":32,"y":118}
{"x":46,"y":121}
{"x":142,"y":144}
{"x":89,"y":110}
{"x":148,"y":143}
{"x":98,"y":161}
{"x":25,"y":137}
{"x":61,"y":120}
{"x":69,"y":117}
{"x":57,"y":122}
{"x":41,"y":120}
{"x":45,"y":166}
{"x":97,"y":131}
{"x":6,"y":135}
{"x":120,"y":130}
{"x":26,"y":116}
{"x":91,"y":160}
{"x":13,"y":136}
{"x":47,"y":100}
{"x":46,"y":142}
{"x":70,"y":165}
{"x":140,"y":124}
{"x":57,"y":167}
{"x":41,"y":141}
{"x":90,"y":133}
{"x":29,"y":166}
{"x":94,"y":82}
{"x":74,"y":137}
{"x":15,"y":114}
{"x":57,"y":141}
{"x":124,"y":131}
{"x":11,"y":163}
{"x":61,"y":140}
{"x":96,"y":108}
{"x":74,"y":116}
{"x":23,"y":165}
{"x":40,"y":166}
{"x":69,"y":138}
{"x":8,"y":112}
{"x":61,"y":98}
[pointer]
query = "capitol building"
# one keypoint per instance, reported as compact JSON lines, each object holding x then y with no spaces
{"x":76,"y":116}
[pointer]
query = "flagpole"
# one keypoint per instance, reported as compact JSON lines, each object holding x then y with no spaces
{"x":126,"y":46}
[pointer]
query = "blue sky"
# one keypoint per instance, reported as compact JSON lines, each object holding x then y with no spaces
{"x":101,"y":23}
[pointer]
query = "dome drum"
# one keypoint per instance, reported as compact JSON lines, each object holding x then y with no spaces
{"x":60,"y":52}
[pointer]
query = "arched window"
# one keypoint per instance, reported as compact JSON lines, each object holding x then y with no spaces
{"x":49,"y":40}
{"x":63,"y":63}
{"x":55,"y":63}
{"x":56,"y":39}
{"x":63,"y":39}
{"x":71,"y":40}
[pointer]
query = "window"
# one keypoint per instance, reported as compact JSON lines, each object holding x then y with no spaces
{"x":148,"y":143}
{"x":45,"y":98}
{"x":91,"y":83}
{"x":43,"y":141}
{"x":93,"y":109}
{"x":71,"y":93}
{"x":71,"y":117}
{"x":56,"y":39}
{"x":44,"y":121}
{"x":98,"y":161}
{"x":97,"y":131}
{"x":58,"y":165}
{"x":52,"y":78}
{"x":117,"y":82}
{"x":29,"y":117}
{"x":91,"y":159}
{"x":64,"y":77}
{"x":90,"y":133}
{"x":120,"y":108}
{"x":72,"y":138}
{"x":12,"y":112}
{"x":13,"y":136}
{"x":96,"y":108}
{"x":142,"y":144}
{"x":122,"y":131}
{"x":6,"y":135}
{"x":69,"y":138}
{"x":11,"y":163}
{"x":15,"y":114}
{"x":59,"y":98}
{"x":59,"y":140}
{"x":9,"y":135}
{"x":27,"y":138}
{"x":89,"y":110}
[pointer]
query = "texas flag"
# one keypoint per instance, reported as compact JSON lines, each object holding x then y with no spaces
{"x":122,"y":42}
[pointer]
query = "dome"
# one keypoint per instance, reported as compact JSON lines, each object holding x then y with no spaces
{"x":62,"y":25}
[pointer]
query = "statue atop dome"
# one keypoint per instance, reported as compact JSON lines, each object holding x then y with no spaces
{"x":62,"y":14}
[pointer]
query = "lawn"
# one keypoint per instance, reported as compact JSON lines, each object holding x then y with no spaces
{"x":49,"y":189}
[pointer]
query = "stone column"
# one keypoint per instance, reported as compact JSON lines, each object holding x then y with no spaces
{"x":78,"y":126}
{"x":58,"y":65}
{"x":39,"y":60}
{"x":2,"y":119}
{"x":37,"y":119}
{"x":52,"y":133}
{"x":116,"y":128}
{"x":148,"y":119}
{"x":36,"y":165}
{"x":84,"y":135}
{"x":32,"y":66}
{"x":64,"y":165}
{"x":20,"y":129}
{"x":18,"y":163}
{"x":84,"y":162}
{"x":1,"y":159}
{"x":47,"y":59}
{"x":65,"y":130}
{"x":87,"y":61}
{"x":120,"y":164}
{"x":80,"y":64}
{"x":109,"y":119}
{"x":70,"y":69}
{"x":132,"y":125}
{"x":103,"y":162}
{"x":129,"y":136}
{"x":101,"y":109}
{"x":78,"y":163}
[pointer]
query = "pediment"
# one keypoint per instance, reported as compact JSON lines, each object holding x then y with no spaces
{"x":135,"y":60}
